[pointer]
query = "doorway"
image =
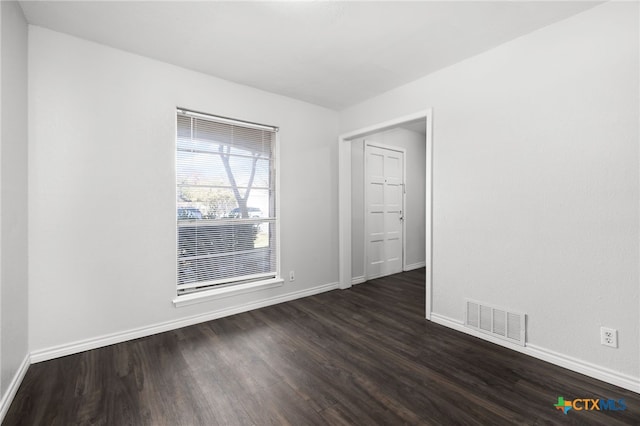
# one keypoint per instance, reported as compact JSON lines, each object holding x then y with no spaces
{"x":345,"y":195}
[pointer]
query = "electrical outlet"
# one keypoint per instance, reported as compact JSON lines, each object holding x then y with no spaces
{"x":292,"y":276}
{"x":609,"y":337}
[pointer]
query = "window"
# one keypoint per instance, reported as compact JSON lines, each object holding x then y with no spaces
{"x":225,"y":202}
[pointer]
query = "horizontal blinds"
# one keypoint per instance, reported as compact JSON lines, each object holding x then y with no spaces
{"x":225,"y":205}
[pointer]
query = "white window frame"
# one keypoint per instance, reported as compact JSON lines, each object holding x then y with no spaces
{"x":234,"y":289}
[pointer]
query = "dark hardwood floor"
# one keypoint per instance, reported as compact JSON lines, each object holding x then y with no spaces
{"x":363,"y":356}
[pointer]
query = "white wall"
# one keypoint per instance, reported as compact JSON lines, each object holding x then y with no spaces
{"x":102,"y":199}
{"x":414,"y":144}
{"x":535,"y":180}
{"x":13,"y":196}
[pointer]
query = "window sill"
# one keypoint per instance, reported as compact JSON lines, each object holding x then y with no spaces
{"x":220,"y":293}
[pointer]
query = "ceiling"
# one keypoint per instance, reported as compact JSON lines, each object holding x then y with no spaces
{"x":333,"y":54}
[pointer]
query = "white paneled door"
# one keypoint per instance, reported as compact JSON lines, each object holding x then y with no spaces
{"x":384,"y":201}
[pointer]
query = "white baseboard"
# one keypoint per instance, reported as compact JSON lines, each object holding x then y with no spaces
{"x":8,"y":396}
{"x":358,"y":280}
{"x":136,"y":333}
{"x":570,"y":363}
{"x":414,"y":266}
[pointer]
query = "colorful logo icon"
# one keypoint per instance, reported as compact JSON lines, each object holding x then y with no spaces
{"x":563,"y":405}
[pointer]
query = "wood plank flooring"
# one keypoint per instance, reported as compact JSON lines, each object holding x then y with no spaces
{"x":363,"y":356}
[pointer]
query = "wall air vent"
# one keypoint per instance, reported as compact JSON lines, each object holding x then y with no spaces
{"x":497,"y":322}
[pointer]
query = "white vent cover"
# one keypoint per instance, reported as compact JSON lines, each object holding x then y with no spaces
{"x":497,"y":322}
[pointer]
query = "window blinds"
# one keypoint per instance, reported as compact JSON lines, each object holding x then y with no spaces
{"x":225,"y":202}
